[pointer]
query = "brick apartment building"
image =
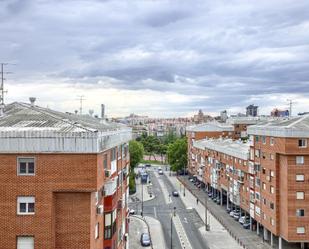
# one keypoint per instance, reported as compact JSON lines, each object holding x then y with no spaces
{"x":267,"y":177}
{"x":63,"y":180}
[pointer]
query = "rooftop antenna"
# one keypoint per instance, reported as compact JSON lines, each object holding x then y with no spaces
{"x":81,"y":98}
{"x":290,"y":106}
{"x":2,"y":91}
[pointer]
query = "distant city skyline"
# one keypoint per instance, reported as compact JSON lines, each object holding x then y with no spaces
{"x":157,"y":58}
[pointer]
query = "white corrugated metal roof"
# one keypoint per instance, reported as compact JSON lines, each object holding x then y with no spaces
{"x":227,"y":146}
{"x":287,"y":127}
{"x":211,"y":126}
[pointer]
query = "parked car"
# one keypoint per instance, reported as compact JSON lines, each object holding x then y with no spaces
{"x":147,"y":165}
{"x":228,"y":209}
{"x":236,"y":215}
{"x":209,"y":194}
{"x":131,"y":211}
{"x":191,"y":180}
{"x":246,"y":225}
{"x":160,"y":171}
{"x":243,"y":219}
{"x":218,"y":200}
{"x":175,"y":193}
{"x":145,"y":239}
{"x":232,"y":213}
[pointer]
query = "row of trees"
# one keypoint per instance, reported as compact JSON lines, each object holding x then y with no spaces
{"x":175,"y":150}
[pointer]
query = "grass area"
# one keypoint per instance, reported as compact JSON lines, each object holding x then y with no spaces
{"x":152,"y":162}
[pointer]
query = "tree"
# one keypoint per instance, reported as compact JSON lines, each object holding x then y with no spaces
{"x":136,"y":150}
{"x":177,"y":154}
{"x":151,"y":144}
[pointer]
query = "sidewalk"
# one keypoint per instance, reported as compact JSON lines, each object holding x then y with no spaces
{"x":246,"y":238}
{"x":218,"y":237}
{"x":156,"y":233}
{"x":146,"y":189}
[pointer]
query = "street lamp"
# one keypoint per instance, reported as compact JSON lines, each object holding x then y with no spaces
{"x":142,"y":198}
{"x":172,"y":215}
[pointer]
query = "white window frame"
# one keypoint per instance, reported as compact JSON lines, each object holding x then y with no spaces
{"x":31,"y":238}
{"x":272,"y":141}
{"x":300,"y":195}
{"x":96,"y":231}
{"x":305,"y":143}
{"x":300,"y":177}
{"x":26,"y":160}
{"x":272,"y":189}
{"x":300,"y":160}
{"x":300,"y":230}
{"x":298,"y":212}
{"x":26,"y":200}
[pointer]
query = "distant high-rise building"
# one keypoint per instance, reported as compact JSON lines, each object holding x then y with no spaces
{"x":102,"y":110}
{"x":223,"y":115}
{"x":252,"y":110}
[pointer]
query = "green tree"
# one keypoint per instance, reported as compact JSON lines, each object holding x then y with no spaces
{"x":177,"y":154}
{"x":136,"y":150}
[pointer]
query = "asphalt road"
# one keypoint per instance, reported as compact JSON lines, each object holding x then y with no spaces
{"x":158,"y":209}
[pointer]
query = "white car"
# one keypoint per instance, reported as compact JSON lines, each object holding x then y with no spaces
{"x":232,"y":213}
{"x":131,"y":211}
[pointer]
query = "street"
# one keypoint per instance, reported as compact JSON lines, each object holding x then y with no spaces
{"x":186,"y":223}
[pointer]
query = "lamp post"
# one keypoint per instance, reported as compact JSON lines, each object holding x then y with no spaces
{"x":172,"y":215}
{"x":142,"y":198}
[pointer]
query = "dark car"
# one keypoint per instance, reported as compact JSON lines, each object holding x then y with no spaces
{"x":147,"y":165}
{"x":246,"y":225}
{"x":145,"y":239}
{"x":175,"y":193}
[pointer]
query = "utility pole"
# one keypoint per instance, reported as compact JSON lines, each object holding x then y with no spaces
{"x":81,"y":98}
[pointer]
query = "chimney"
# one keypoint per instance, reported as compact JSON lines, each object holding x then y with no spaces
{"x":32,"y":101}
{"x":102,"y":111}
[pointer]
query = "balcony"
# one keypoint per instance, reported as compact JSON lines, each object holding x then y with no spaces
{"x":110,"y":187}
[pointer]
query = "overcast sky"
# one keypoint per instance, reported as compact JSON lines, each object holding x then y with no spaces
{"x":157,"y":58}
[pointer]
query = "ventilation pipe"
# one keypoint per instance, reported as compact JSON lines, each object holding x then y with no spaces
{"x":32,"y":101}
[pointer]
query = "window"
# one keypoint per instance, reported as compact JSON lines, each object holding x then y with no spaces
{"x":272,"y":173}
{"x":272,"y":221}
{"x":302,"y":143}
{"x":265,"y":217}
{"x":263,"y":170}
{"x":257,"y":182}
{"x":113,"y":154}
{"x":263,"y":140}
{"x":300,"y":160}
{"x":271,"y":156}
{"x":264,"y":201}
{"x":300,"y":212}
{"x":105,"y":161}
{"x":272,"y":190}
{"x":108,"y":226}
{"x":257,"y":153}
{"x":271,"y":205}
{"x":264,"y":186}
{"x":256,"y":138}
{"x":300,"y":230}
{"x":257,"y":196}
{"x":300,"y":178}
{"x":96,"y":231}
{"x":25,"y":242}
{"x":25,"y":166}
{"x":25,"y":205}
{"x":272,"y":141}
{"x":300,"y":195}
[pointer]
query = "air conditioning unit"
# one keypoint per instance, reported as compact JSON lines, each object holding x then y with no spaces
{"x":100,"y":209}
{"x":107,"y":173}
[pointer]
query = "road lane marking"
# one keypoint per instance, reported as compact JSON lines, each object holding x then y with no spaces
{"x":155,"y":212}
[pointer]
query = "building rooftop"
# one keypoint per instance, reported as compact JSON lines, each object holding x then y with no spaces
{"x":211,"y":126}
{"x":29,"y":128}
{"x":230,"y":147}
{"x":24,"y":117}
{"x":284,"y":127}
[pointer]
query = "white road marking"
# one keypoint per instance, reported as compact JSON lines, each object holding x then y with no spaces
{"x":155,"y":212}
{"x":185,"y":220}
